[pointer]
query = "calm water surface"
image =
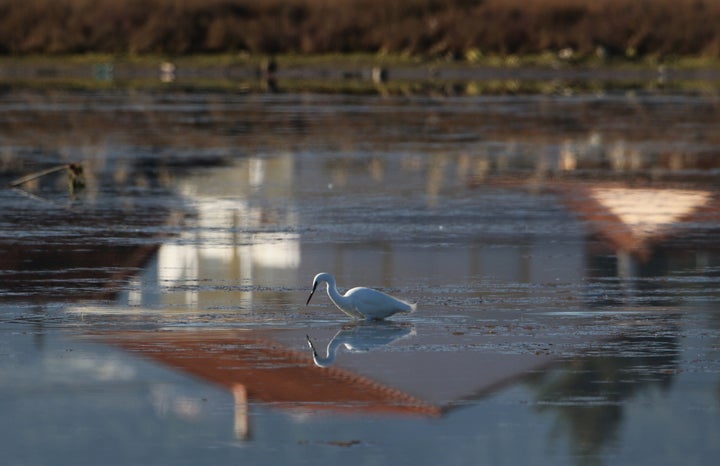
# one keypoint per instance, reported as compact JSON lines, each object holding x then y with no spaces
{"x":562,"y":249}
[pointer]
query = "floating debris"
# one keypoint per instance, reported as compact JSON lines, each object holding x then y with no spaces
{"x":167,"y":72}
{"x":76,"y":177}
{"x":379,"y":74}
{"x":104,"y":71}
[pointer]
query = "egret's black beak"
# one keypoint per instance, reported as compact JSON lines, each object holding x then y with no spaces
{"x":311,"y":345}
{"x":311,"y":295}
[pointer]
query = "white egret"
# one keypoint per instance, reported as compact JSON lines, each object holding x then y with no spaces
{"x":360,"y":302}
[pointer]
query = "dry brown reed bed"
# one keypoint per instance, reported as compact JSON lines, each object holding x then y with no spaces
{"x":452,"y":28}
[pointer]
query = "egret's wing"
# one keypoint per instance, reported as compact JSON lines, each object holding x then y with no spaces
{"x":367,"y":301}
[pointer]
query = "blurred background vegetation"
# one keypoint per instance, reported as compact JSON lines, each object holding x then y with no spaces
{"x":455,"y":29}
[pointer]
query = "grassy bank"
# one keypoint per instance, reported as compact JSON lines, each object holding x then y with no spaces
{"x":459,"y":29}
{"x":353,"y":74}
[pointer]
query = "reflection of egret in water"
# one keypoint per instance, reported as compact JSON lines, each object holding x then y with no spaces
{"x":362,"y":337}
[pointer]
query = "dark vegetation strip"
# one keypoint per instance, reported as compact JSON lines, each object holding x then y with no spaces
{"x":464,"y":29}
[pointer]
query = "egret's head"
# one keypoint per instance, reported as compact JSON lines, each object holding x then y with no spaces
{"x":319,"y":278}
{"x":317,"y":359}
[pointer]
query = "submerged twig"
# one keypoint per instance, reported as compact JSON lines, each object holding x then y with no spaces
{"x":36,"y":175}
{"x":76,"y":179}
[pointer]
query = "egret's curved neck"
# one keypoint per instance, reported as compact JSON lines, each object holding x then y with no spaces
{"x":323,"y":361}
{"x":343,"y":303}
{"x":330,"y":354}
{"x":340,"y":301}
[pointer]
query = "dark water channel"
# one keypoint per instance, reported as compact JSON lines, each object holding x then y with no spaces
{"x":563,"y":251}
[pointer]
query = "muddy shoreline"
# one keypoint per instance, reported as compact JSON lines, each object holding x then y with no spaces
{"x":361,"y":74}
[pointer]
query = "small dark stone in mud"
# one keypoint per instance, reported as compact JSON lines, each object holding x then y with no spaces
{"x":347,"y":443}
{"x":336,"y":443}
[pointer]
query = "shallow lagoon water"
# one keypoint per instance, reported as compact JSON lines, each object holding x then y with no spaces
{"x":562,"y":250}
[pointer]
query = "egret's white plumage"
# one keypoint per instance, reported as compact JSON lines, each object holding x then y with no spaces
{"x":361,"y":302}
